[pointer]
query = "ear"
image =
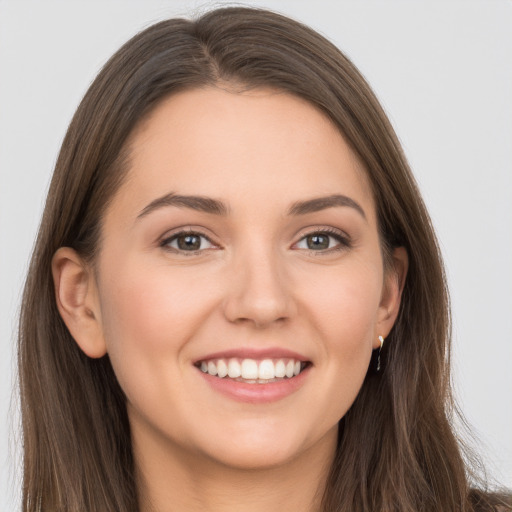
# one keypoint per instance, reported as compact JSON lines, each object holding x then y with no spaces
{"x":394,"y":281}
{"x":77,"y":301}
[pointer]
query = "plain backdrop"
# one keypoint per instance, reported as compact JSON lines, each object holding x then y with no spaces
{"x":443,"y":71}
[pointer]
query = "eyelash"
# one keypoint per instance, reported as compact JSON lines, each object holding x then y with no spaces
{"x":186,"y":232}
{"x":343,"y":241}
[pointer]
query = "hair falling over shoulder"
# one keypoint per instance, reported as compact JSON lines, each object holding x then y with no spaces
{"x":397,"y":449}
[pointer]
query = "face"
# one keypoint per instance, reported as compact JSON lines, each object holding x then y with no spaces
{"x":240,"y":286}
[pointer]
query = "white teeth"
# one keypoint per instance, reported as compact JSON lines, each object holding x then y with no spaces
{"x":266,"y":370}
{"x":222,"y":368}
{"x":280,"y":370}
{"x":249,"y":369}
{"x":234,"y":370}
{"x":212,"y":368}
{"x":252,"y":370}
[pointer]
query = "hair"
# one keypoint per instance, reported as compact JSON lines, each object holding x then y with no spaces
{"x":397,"y":450}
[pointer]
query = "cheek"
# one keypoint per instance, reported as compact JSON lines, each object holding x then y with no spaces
{"x":344,"y":316}
{"x":346,"y":304}
{"x":148,"y":315}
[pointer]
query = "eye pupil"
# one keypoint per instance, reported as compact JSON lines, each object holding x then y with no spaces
{"x":189,"y":242}
{"x":318,"y":242}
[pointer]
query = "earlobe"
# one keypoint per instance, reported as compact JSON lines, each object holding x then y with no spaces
{"x":394,"y":282}
{"x":77,"y":302}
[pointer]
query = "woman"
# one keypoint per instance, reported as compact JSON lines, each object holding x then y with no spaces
{"x":236,"y":299}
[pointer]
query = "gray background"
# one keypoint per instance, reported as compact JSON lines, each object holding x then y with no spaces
{"x":443,"y":71}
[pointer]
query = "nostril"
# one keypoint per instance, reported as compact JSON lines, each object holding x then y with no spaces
{"x":260,"y":301}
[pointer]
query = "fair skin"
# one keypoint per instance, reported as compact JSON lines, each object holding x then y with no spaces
{"x":256,"y":279}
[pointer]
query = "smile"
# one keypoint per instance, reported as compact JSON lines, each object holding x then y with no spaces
{"x":253,"y":371}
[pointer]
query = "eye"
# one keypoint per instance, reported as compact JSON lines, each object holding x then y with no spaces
{"x":187,"y":241}
{"x":322,"y":241}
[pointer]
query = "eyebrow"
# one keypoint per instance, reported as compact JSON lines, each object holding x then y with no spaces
{"x":199,"y":203}
{"x":216,"y":207}
{"x":322,"y":203}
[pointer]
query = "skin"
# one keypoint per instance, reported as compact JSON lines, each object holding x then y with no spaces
{"x":254,"y":283}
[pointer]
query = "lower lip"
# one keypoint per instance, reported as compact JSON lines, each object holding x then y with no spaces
{"x":256,"y":393}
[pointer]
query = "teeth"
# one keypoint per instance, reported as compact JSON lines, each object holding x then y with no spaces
{"x":222,"y":368}
{"x":251,"y":370}
{"x":212,"y":368}
{"x":266,"y":370}
{"x":289,"y":369}
{"x":280,"y":369}
{"x":234,"y":370}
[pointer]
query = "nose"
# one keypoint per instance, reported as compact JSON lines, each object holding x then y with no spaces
{"x":259,"y":291}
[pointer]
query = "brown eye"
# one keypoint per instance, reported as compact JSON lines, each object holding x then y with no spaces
{"x":317,"y":242}
{"x":323,"y":241}
{"x":188,"y":242}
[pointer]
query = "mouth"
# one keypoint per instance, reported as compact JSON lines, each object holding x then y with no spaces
{"x":253,"y":371}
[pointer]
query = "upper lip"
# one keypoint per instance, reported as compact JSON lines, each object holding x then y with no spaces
{"x":254,"y":353}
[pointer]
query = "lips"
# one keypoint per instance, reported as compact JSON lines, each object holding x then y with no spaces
{"x":255,"y":376}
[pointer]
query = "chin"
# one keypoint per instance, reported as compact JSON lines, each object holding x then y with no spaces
{"x":266,"y":448}
{"x":254,"y":458}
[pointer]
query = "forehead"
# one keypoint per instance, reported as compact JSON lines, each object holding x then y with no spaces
{"x":262,"y":146}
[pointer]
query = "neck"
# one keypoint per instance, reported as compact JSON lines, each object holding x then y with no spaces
{"x":171,"y":480}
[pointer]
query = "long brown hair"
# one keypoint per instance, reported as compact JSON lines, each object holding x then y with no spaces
{"x":397,"y":450}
